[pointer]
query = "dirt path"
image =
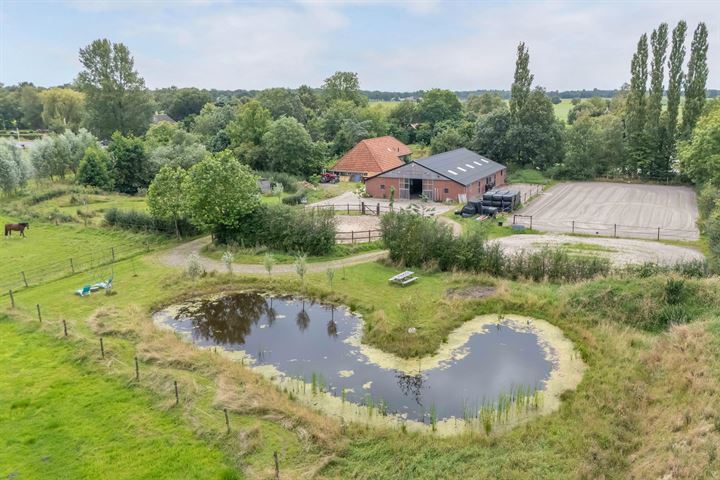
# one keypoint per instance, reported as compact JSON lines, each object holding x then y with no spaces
{"x":619,"y":251}
{"x":177,"y":257}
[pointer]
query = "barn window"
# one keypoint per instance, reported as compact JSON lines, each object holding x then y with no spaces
{"x":447,"y":190}
{"x":382,"y":187}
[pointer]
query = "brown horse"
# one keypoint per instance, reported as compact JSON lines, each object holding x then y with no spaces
{"x":18,"y":227}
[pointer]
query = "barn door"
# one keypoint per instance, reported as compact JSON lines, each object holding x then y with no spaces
{"x":404,"y":189}
{"x":428,"y":189}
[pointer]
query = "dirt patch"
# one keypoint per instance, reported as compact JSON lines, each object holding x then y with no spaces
{"x":474,"y":292}
{"x":618,"y":251}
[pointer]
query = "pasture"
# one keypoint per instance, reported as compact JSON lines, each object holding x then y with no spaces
{"x":615,"y":209}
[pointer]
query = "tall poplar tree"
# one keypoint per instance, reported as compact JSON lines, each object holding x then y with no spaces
{"x":636,"y":107}
{"x":696,"y":79}
{"x":520,"y":90}
{"x":675,"y":71}
{"x":653,"y":163}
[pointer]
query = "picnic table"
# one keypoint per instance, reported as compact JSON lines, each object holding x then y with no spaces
{"x":404,"y":278}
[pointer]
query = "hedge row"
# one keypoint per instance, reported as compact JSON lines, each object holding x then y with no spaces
{"x":139,"y":221}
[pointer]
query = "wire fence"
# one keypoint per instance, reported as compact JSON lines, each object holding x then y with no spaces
{"x":83,"y":262}
{"x":614,"y":230}
{"x":221,"y":417}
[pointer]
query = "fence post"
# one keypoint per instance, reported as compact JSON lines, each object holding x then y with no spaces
{"x":65,"y":327}
{"x":369,"y":240}
{"x":39,"y":314}
{"x":352,"y":236}
{"x":277,"y":465}
{"x":24,"y":278}
{"x":658,"y":233}
{"x":362,"y":207}
{"x":348,"y":208}
{"x":12,"y":299}
{"x":72,"y":265}
{"x":614,"y":230}
{"x":227,"y":420}
{"x":102,"y":348}
{"x":177,"y":396}
{"x":112,"y":251}
{"x":573,"y":226}
{"x":137,"y":370}
{"x":530,"y":222}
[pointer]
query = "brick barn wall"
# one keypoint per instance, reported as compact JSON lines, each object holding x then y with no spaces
{"x":373,"y":186}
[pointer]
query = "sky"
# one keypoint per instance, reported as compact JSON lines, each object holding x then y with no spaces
{"x":392,"y":45}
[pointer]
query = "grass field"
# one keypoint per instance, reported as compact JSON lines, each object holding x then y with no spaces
{"x":648,"y":406}
{"x":61,"y":418}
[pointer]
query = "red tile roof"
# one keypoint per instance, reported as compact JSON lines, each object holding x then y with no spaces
{"x":373,"y":155}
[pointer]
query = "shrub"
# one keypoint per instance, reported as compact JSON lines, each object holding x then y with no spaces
{"x":296,"y":198}
{"x":139,"y":221}
{"x":419,"y":240}
{"x":286,"y":229}
{"x":674,"y":290}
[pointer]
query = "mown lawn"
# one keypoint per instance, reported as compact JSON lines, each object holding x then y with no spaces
{"x":60,"y":418}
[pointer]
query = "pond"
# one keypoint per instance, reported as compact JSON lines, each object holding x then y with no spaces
{"x":315,"y":348}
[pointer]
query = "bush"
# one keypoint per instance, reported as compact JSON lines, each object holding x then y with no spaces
{"x":295,"y":198}
{"x":289,"y":182}
{"x":417,"y":240}
{"x":58,"y":192}
{"x":139,"y":221}
{"x":286,"y":229}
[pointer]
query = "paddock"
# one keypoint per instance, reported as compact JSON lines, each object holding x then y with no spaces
{"x":615,"y":210}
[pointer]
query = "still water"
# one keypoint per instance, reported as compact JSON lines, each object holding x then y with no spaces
{"x":309,"y":340}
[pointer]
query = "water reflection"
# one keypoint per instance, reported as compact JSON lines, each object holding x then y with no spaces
{"x":308,"y":340}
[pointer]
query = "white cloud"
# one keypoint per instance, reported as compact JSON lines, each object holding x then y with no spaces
{"x":248,"y":47}
{"x":571,"y":47}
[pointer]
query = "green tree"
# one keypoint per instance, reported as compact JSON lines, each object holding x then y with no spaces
{"x":491,"y":135}
{"x":15,"y":170}
{"x":219,"y":192}
{"x":165,"y":195}
{"x":10,"y":110}
{"x":116,"y":97}
{"x":522,"y":82}
{"x":186,"y":101}
{"x":654,"y":164}
{"x":593,"y":147}
{"x":697,"y":72}
{"x":94,"y":168}
{"x":438,"y":105}
{"x":213,"y":119}
{"x":675,"y":70}
{"x":343,"y":86}
{"x":289,"y":148}
{"x":592,"y":107}
{"x":485,"y":103}
{"x":309,"y":99}
{"x":700,"y":155}
{"x":636,"y":108}
{"x":130,"y":167}
{"x":246,"y":132}
{"x":282,"y":102}
{"x":31,"y":107}
{"x":168,"y":144}
{"x":535,"y":136}
{"x":448,"y":138}
{"x":55,"y":155}
{"x":62,"y":109}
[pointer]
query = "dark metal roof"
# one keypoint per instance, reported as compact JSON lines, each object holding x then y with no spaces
{"x":461,"y":165}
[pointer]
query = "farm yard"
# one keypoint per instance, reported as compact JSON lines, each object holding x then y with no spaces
{"x":615,"y":210}
{"x":226,"y":281}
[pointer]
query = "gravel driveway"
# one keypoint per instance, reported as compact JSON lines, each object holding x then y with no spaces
{"x":619,"y":251}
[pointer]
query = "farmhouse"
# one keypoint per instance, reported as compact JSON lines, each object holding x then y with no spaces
{"x":440,"y":177}
{"x":372,"y":156}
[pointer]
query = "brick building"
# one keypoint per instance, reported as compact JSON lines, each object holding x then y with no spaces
{"x":372,"y":156}
{"x":440,"y":177}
